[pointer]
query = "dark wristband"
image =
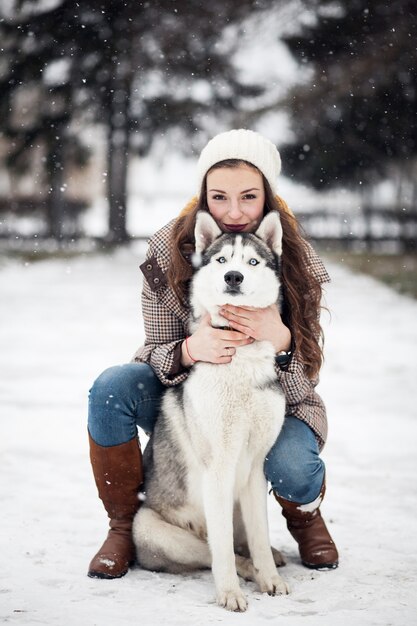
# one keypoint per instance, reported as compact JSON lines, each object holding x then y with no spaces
{"x":283,"y":358}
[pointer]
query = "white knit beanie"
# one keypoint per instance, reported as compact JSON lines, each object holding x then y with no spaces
{"x":245,"y":145}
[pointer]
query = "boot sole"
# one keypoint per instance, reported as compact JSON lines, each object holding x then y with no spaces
{"x":321,"y":566}
{"x":104,"y":576}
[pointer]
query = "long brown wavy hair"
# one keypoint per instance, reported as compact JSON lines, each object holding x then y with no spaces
{"x":302,"y":292}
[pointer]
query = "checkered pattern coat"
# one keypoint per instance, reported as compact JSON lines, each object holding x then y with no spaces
{"x":166,"y":326}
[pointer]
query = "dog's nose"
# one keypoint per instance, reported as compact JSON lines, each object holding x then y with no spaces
{"x":233,"y":279}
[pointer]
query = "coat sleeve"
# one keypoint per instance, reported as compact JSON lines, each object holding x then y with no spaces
{"x":294,"y":382}
{"x":165,"y":327}
{"x":164,"y":334}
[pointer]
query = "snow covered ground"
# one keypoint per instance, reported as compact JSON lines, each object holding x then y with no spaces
{"x":61,"y":323}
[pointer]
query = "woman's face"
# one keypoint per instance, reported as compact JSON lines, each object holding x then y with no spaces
{"x":236,"y":198}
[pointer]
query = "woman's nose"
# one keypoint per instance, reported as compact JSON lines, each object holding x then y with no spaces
{"x":234,"y":209}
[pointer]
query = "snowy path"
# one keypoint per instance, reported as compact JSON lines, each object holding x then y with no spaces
{"x":61,"y":323}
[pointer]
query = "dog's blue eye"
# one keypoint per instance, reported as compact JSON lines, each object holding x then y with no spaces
{"x":221,"y":259}
{"x":253,"y":262}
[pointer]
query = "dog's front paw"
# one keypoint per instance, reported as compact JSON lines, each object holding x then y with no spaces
{"x":232,"y":600}
{"x":273,"y":586}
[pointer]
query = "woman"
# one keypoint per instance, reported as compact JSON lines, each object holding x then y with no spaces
{"x":237,"y":173}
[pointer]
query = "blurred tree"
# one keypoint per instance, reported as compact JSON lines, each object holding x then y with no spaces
{"x":135,"y":67}
{"x":356,"y":115}
{"x":35,"y":110}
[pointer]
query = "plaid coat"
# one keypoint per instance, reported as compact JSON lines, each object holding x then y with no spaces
{"x":166,"y":326}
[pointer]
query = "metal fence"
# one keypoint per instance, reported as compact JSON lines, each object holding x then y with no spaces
{"x":369,"y":226}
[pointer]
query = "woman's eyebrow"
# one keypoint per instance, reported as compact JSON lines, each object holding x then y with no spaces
{"x":244,"y":191}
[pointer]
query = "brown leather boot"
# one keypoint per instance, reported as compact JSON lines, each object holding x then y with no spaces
{"x":306,"y":525}
{"x":118,"y":474}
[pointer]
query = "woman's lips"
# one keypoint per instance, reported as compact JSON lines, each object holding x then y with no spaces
{"x":235,"y":228}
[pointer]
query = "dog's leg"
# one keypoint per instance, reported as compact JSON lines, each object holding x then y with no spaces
{"x":245,"y":568}
{"x":167,"y":548}
{"x":254,"y":512}
{"x":241,"y":542}
{"x":218,"y":507}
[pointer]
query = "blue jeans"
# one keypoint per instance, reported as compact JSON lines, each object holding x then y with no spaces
{"x":127,"y":396}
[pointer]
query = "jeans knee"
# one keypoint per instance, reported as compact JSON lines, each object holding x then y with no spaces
{"x":122,"y":383}
{"x":122,"y":398}
{"x":299,"y":482}
{"x":106,"y":383}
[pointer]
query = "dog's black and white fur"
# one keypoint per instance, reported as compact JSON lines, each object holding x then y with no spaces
{"x":205,"y":489}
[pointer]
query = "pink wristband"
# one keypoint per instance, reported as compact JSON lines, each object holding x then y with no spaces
{"x":188,"y":352}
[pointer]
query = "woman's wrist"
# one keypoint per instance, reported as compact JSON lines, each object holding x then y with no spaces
{"x":187,"y":359}
{"x":284,"y":342}
{"x":288,"y":343}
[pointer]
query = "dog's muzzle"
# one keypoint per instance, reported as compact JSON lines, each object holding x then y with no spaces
{"x":233,"y":281}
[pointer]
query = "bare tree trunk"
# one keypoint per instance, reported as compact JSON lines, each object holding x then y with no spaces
{"x":118,"y":135}
{"x":55,"y":207}
{"x":118,"y":146}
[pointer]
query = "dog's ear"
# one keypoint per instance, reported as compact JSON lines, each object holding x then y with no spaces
{"x":206,"y":231}
{"x":270,"y":231}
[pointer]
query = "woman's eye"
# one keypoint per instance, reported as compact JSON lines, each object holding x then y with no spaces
{"x":221,"y":259}
{"x":218,"y":196}
{"x":249,"y":196}
{"x":253,"y":262}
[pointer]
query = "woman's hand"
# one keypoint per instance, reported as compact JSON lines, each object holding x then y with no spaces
{"x":260,"y":324}
{"x":212,"y":345}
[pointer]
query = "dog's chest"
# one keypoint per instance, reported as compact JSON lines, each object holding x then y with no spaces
{"x":251,"y":370}
{"x":239,"y":401}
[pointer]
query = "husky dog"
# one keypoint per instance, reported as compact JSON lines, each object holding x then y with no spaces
{"x":205,"y":491}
